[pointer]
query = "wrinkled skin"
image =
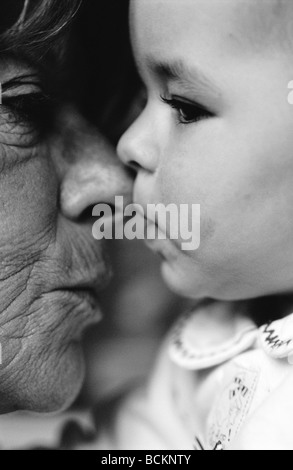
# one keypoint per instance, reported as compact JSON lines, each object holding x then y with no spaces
{"x":51,"y":267}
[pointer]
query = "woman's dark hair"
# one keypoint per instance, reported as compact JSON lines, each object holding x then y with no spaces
{"x":93,"y":67}
{"x":108,"y":83}
{"x":34,"y":28}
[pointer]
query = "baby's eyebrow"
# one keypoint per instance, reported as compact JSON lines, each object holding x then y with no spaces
{"x":190,"y":78}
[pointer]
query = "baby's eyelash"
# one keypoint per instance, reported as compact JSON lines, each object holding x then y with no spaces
{"x":188,"y":112}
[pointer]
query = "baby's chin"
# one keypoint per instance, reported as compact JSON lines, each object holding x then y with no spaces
{"x":179,"y":274}
{"x":180,"y":282}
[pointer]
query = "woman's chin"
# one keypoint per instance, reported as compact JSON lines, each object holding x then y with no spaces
{"x":57,"y":385}
{"x":69,"y":380}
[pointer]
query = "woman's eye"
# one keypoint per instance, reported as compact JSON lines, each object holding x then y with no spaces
{"x":187,"y":112}
{"x":33,"y":108}
{"x":25,"y":103}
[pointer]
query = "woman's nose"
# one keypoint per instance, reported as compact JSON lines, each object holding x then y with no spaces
{"x":137,"y":148}
{"x":92,"y":172}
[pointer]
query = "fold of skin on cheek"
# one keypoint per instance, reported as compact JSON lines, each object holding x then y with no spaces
{"x":26,"y":231}
{"x":48,"y":263}
{"x":43,"y":255}
{"x":34,"y":331}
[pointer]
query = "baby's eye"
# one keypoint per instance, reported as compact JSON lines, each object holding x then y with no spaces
{"x":187,"y":112}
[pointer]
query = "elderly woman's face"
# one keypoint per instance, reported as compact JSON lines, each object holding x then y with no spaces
{"x":50,"y":267}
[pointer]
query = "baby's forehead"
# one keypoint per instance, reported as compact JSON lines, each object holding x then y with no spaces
{"x":264,"y":23}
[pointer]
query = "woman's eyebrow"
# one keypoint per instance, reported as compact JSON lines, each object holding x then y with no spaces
{"x":191,"y":78}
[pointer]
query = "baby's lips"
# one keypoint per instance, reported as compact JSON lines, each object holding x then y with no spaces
{"x":277,"y":338}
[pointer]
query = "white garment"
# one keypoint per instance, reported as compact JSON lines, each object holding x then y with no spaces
{"x":215,"y":371}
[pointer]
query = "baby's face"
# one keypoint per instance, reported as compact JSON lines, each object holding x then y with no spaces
{"x":223,"y":139}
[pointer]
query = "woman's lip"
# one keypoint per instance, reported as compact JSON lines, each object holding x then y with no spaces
{"x":94,"y":284}
{"x":92,"y":313}
{"x":81,"y":310}
{"x":88,"y":292}
{"x":74,"y":311}
{"x":82,"y":292}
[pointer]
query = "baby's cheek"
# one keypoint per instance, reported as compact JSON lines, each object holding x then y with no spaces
{"x":166,"y":181}
{"x":181,"y":188}
{"x":175,"y":185}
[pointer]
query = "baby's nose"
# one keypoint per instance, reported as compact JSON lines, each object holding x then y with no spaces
{"x":137,"y":147}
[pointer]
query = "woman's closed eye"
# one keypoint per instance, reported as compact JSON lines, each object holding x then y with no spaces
{"x":187,"y":111}
{"x":25,"y":104}
{"x":29,"y":107}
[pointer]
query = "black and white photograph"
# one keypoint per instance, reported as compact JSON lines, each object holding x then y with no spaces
{"x":146,"y":227}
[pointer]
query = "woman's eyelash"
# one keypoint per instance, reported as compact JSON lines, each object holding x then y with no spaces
{"x":24,"y":97}
{"x":187,"y":112}
{"x":27,"y":104}
{"x":34,"y":108}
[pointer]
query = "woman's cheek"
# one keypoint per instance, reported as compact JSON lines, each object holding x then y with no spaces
{"x":29,"y":195}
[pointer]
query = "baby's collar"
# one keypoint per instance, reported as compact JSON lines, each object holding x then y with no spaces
{"x":214,"y":333}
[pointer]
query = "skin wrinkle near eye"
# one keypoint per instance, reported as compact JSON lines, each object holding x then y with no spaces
{"x":15,"y":139}
{"x":14,"y":127}
{"x":23,"y":102}
{"x":12,"y":158}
